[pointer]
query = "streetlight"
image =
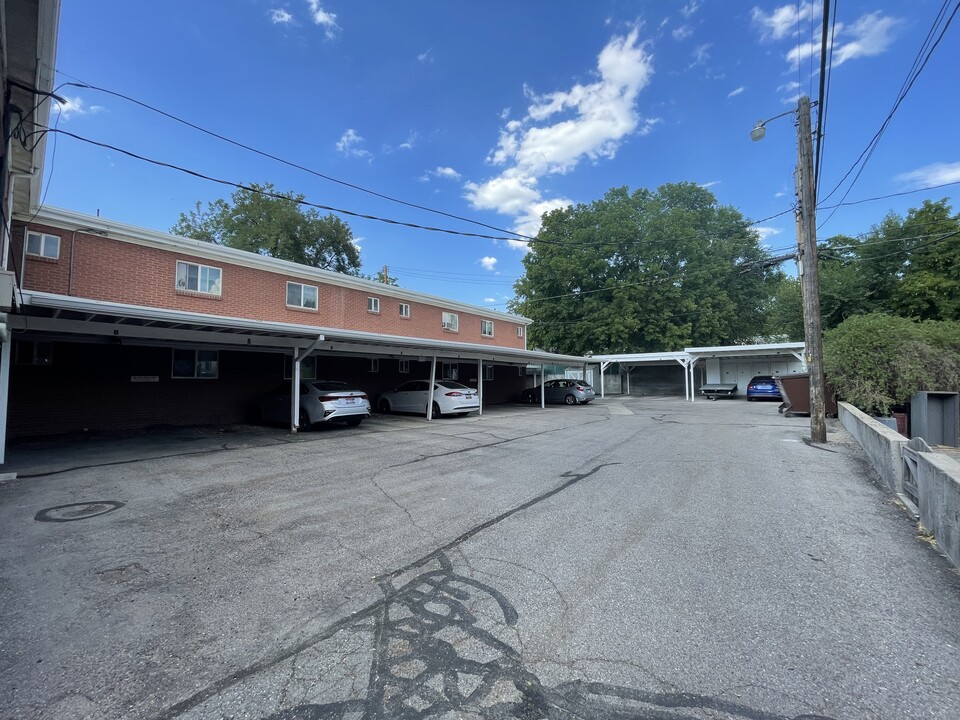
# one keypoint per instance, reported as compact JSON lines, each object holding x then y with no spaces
{"x":807,"y":265}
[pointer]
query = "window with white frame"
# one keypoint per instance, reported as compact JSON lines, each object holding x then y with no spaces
{"x":450,"y":371}
{"x":374,"y":365}
{"x":308,"y":368}
{"x":488,"y":372}
{"x":404,"y":367}
{"x":486,"y":328}
{"x":195,"y":364}
{"x":404,"y":310}
{"x":302,"y":296}
{"x":450,"y":321}
{"x":373,"y":304}
{"x":193,"y":277}
{"x":519,"y":330}
{"x":43,"y":245}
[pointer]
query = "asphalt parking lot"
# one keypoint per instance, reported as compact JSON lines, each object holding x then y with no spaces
{"x":633,"y":558}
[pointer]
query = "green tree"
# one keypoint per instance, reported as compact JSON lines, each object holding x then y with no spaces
{"x":265,"y":221}
{"x":645,"y":271}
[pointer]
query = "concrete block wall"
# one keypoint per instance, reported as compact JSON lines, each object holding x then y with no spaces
{"x":881,"y":444}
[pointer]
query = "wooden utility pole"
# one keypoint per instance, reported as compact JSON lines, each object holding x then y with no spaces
{"x":809,"y":270}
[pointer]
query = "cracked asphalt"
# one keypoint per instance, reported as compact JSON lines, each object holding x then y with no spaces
{"x":634,"y":558}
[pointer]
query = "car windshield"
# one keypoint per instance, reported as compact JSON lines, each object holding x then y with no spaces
{"x":333,"y":386}
{"x":762,"y":379}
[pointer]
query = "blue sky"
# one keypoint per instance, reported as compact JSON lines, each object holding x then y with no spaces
{"x":495,"y":112}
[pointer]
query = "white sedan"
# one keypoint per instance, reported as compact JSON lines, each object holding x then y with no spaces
{"x":320,"y":401}
{"x":449,"y":398}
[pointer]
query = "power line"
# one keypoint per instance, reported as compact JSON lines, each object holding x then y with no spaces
{"x":87,"y":86}
{"x":915,"y":70}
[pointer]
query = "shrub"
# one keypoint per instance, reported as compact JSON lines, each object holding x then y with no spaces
{"x":878,"y":360}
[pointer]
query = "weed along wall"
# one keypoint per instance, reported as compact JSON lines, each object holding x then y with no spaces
{"x":927,"y":480}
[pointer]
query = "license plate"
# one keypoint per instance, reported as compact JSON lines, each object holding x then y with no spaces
{"x":349,"y":401}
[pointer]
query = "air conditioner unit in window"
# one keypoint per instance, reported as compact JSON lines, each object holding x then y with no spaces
{"x":448,"y":325}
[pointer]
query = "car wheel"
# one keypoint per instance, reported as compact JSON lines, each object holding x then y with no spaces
{"x":303,"y":423}
{"x":749,"y":399}
{"x":384,"y":407}
{"x":570,"y":400}
{"x":354,"y":421}
{"x":436,"y":410}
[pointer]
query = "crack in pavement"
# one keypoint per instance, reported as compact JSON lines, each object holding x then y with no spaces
{"x":373,"y":610}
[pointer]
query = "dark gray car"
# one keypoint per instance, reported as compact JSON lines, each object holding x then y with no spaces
{"x":570,"y":392}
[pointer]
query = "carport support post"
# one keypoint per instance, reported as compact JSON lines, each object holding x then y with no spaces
{"x":628,"y":379}
{"x":543,"y":387}
{"x":4,"y":394}
{"x":295,"y":394}
{"x":480,"y":383}
{"x":603,"y":368}
{"x":433,"y":382}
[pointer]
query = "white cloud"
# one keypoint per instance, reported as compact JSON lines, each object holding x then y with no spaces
{"x":682,"y":32}
{"x":75,"y":107}
{"x":326,"y":20}
{"x":410,"y":142}
{"x":701,"y":54}
{"x":446,"y":172}
{"x":929,"y":175}
{"x":564,"y":128}
{"x":789,"y":87}
{"x":489,"y":300}
{"x":505,"y":113}
{"x":488,"y":263}
{"x":784,"y":21}
{"x":738,"y":91}
{"x":280,"y":17}
{"x":766,"y":232}
{"x":872,"y":35}
{"x":426,"y":56}
{"x":710,"y":184}
{"x":690,"y":8}
{"x":351,"y":144}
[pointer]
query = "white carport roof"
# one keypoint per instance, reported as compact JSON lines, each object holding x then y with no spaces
{"x":698,"y":353}
{"x":72,"y":317}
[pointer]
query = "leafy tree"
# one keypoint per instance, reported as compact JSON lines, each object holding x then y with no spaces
{"x":644,"y":271}
{"x":268,"y":222}
{"x":877,"y":360}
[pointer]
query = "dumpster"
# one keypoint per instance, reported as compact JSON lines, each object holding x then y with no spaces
{"x":795,"y":390}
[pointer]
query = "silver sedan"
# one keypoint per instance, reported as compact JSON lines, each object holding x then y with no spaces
{"x":570,"y":392}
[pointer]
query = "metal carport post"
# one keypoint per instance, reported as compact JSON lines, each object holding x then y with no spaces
{"x":480,"y":383}
{"x":433,"y":382}
{"x":295,"y":383}
{"x":543,"y":387}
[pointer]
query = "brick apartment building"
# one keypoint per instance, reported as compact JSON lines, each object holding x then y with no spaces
{"x":121,"y":327}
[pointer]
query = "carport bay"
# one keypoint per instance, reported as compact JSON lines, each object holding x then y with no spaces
{"x":107,"y":366}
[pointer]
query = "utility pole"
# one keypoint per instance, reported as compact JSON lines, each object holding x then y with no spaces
{"x":809,"y":270}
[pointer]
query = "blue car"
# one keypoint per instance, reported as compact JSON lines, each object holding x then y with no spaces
{"x":763,"y":386}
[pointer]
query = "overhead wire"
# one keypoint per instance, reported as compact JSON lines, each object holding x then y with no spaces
{"x":915,"y":71}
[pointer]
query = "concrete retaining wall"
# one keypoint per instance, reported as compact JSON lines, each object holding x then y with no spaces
{"x":936,"y":476}
{"x":881,"y":444}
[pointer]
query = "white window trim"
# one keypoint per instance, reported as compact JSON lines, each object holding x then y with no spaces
{"x":218,"y":285}
{"x":301,"y":306}
{"x":488,"y":372}
{"x":374,"y":365}
{"x":404,"y":367}
{"x":45,"y":240}
{"x":483,"y":327}
{"x":404,"y":306}
{"x":520,"y":331}
{"x":373,"y":305}
{"x":450,"y":325}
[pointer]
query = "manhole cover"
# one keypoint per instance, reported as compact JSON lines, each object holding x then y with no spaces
{"x":77,"y":511}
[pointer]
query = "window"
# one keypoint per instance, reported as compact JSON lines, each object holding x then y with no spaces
{"x":488,"y":372}
{"x":486,"y":328}
{"x":29,"y":352}
{"x":404,"y":367}
{"x":302,"y":296}
{"x":373,"y":304}
{"x":43,"y":245}
{"x":404,"y":310}
{"x":519,"y":330}
{"x":450,"y":371}
{"x":450,"y":321}
{"x":374,"y":365}
{"x":199,"y":364}
{"x":308,"y":368}
{"x":198,"y":278}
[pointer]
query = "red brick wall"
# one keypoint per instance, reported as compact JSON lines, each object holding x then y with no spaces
{"x":111,"y":270}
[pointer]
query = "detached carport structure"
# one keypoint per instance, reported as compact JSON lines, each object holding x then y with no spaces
{"x":726,"y":363}
{"x":54,"y":318}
